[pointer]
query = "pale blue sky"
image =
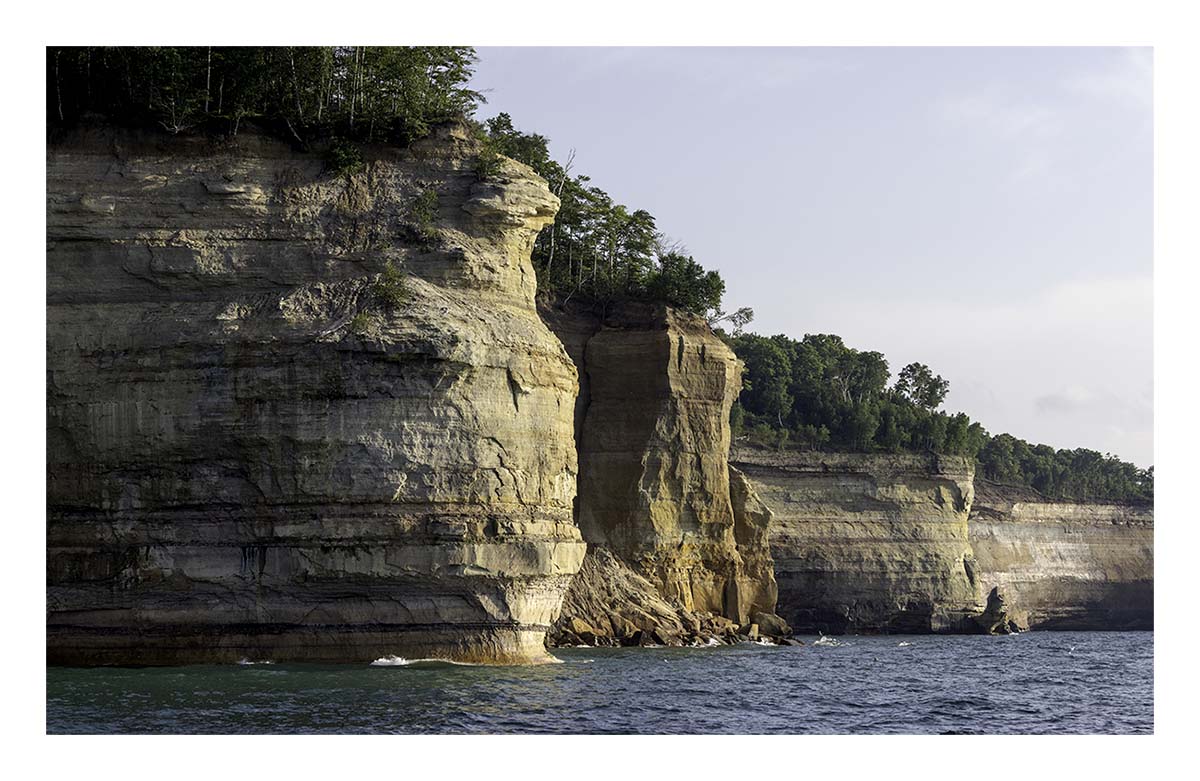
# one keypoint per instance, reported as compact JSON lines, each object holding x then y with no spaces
{"x":987,"y":211}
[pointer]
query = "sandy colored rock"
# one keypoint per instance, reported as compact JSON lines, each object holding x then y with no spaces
{"x":1065,"y":565}
{"x":251,"y":455}
{"x":868,"y":543}
{"x":613,"y":603}
{"x":655,"y":487}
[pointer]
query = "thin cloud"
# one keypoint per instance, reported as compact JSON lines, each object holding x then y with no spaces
{"x":1129,"y":81}
{"x":998,"y":116}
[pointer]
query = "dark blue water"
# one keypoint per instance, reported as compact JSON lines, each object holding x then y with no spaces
{"x":1064,"y":682}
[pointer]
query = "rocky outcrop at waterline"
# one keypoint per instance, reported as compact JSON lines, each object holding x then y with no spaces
{"x":295,"y":415}
{"x":1065,"y":565}
{"x":677,"y":525}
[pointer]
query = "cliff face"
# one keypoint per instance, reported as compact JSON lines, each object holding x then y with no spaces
{"x":652,"y":424}
{"x":1064,"y":565}
{"x":866,"y":543}
{"x":255,"y":451}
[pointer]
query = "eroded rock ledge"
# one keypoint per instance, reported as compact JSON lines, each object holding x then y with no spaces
{"x":918,"y":543}
{"x":250,"y":456}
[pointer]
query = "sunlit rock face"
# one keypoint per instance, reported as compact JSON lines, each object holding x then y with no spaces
{"x":254,"y":451}
{"x":1065,"y":565}
{"x":652,"y":424}
{"x":869,"y":543}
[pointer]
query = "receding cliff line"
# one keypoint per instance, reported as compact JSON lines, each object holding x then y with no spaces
{"x":293,"y":417}
{"x":652,"y":428}
{"x":1065,"y":565}
{"x":869,"y":543}
{"x":918,"y":543}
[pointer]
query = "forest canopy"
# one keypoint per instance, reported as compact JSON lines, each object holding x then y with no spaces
{"x":370,"y":93}
{"x":818,"y":393}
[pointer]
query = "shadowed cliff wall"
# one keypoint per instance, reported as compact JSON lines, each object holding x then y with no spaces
{"x":868,"y":543}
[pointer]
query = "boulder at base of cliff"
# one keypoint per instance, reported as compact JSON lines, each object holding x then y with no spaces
{"x":771,"y":625}
{"x":610,"y":604}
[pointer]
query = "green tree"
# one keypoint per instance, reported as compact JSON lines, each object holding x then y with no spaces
{"x":921,"y":386}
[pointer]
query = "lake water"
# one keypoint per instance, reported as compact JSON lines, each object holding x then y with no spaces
{"x":1041,"y":682}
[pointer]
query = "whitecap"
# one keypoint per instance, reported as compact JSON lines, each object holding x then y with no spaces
{"x":827,"y":641}
{"x":400,"y":661}
{"x":247,"y":661}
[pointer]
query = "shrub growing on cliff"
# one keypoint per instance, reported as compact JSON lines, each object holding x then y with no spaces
{"x":343,"y":158}
{"x":362,"y":323}
{"x":422,"y":212}
{"x":391,"y":288}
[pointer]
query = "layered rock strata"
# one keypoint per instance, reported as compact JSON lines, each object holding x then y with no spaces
{"x":866,"y":543}
{"x":1065,"y":565}
{"x":300,"y":416}
{"x":655,"y":487}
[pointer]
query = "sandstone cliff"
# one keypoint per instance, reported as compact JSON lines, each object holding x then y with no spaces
{"x":1064,"y":565}
{"x":652,"y":425}
{"x":869,"y":543}
{"x":263,"y":444}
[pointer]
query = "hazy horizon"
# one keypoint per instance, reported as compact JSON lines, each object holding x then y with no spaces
{"x":986,"y":211}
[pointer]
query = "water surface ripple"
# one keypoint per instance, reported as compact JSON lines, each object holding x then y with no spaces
{"x":1041,"y":682}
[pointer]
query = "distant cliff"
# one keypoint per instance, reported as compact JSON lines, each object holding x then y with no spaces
{"x":917,"y":543}
{"x":1065,"y":565}
{"x":868,"y":543}
{"x":296,"y":415}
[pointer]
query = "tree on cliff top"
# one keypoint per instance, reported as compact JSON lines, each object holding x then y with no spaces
{"x":600,"y":249}
{"x":921,"y":386}
{"x":819,"y":393}
{"x":372,"y":93}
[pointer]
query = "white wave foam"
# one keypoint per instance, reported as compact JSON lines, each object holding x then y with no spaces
{"x":903,"y":645}
{"x":247,"y":661}
{"x":400,"y":661}
{"x":826,"y":640}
